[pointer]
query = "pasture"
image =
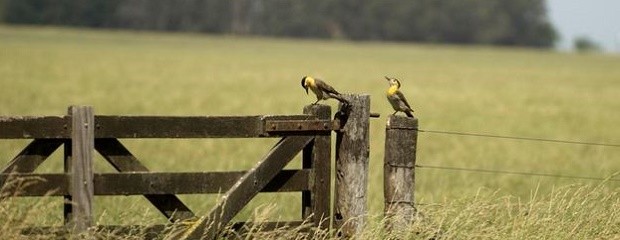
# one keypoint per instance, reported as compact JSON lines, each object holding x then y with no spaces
{"x":504,"y":91}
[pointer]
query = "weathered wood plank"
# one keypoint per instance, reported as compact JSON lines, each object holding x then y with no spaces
{"x":178,"y":127}
{"x":123,"y":161}
{"x":399,"y":171}
{"x":153,"y":183}
{"x":301,"y":126}
{"x":317,"y":156}
{"x":59,"y":127}
{"x":247,"y":187}
{"x":26,"y":127}
{"x":190,"y":183}
{"x":81,"y":168}
{"x":352,"y":152}
{"x":32,"y":156}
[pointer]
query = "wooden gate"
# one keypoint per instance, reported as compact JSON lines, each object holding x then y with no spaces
{"x":82,"y":133}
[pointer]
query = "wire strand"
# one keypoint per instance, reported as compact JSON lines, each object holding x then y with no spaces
{"x":517,"y":173}
{"x":517,"y":138}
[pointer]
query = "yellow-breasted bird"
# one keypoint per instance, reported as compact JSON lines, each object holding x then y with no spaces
{"x":397,"y":99}
{"x":321,"y":89}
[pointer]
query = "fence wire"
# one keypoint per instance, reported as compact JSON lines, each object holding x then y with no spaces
{"x":517,"y":138}
{"x":491,"y":171}
{"x":518,"y":173}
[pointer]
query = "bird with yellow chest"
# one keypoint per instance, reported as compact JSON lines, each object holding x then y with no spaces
{"x":397,"y":99}
{"x":321,"y":89}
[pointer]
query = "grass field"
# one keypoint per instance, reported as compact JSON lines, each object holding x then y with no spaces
{"x":505,"y":91}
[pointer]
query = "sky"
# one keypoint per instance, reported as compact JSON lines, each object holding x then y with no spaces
{"x":598,"y":20}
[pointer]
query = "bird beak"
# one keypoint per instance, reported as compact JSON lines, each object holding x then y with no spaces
{"x":306,"y":90}
{"x":387,"y":78}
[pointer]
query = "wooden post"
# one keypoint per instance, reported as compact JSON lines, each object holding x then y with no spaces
{"x":317,"y":156}
{"x":352,"y":152}
{"x":78,"y":163}
{"x":399,"y":176}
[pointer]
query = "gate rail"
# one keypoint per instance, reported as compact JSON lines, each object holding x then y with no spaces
{"x":82,"y":133}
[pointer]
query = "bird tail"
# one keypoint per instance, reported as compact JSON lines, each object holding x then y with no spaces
{"x":409,"y":113}
{"x":340,"y":99}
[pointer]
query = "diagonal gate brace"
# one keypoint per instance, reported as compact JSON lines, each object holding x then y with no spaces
{"x":33,"y":155}
{"x":121,"y":159}
{"x":247,"y":187}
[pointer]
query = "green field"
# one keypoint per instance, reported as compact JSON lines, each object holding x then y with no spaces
{"x":505,"y":91}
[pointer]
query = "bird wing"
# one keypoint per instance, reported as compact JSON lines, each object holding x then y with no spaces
{"x":322,"y":85}
{"x":400,"y":95}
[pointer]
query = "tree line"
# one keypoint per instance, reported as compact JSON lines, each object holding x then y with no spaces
{"x":495,"y":22}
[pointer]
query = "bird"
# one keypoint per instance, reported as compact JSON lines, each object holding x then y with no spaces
{"x":321,"y":89}
{"x":397,"y":99}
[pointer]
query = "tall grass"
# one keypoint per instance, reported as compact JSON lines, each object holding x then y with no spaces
{"x":569,"y":212}
{"x":507,"y":91}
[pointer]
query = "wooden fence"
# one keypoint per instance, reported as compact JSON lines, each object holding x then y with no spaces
{"x":81,"y":133}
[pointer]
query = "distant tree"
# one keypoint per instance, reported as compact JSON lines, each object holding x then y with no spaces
{"x":499,"y":22}
{"x":585,"y":44}
{"x":92,"y":13}
{"x":296,"y":18}
{"x":2,"y":11}
{"x":171,"y":15}
{"x":529,"y":23}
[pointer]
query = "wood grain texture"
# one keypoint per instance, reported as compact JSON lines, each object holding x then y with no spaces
{"x":179,"y":127}
{"x":352,"y":153}
{"x":81,"y":188}
{"x":155,"y":184}
{"x":30,"y":127}
{"x":317,"y":156}
{"x":399,"y":171}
